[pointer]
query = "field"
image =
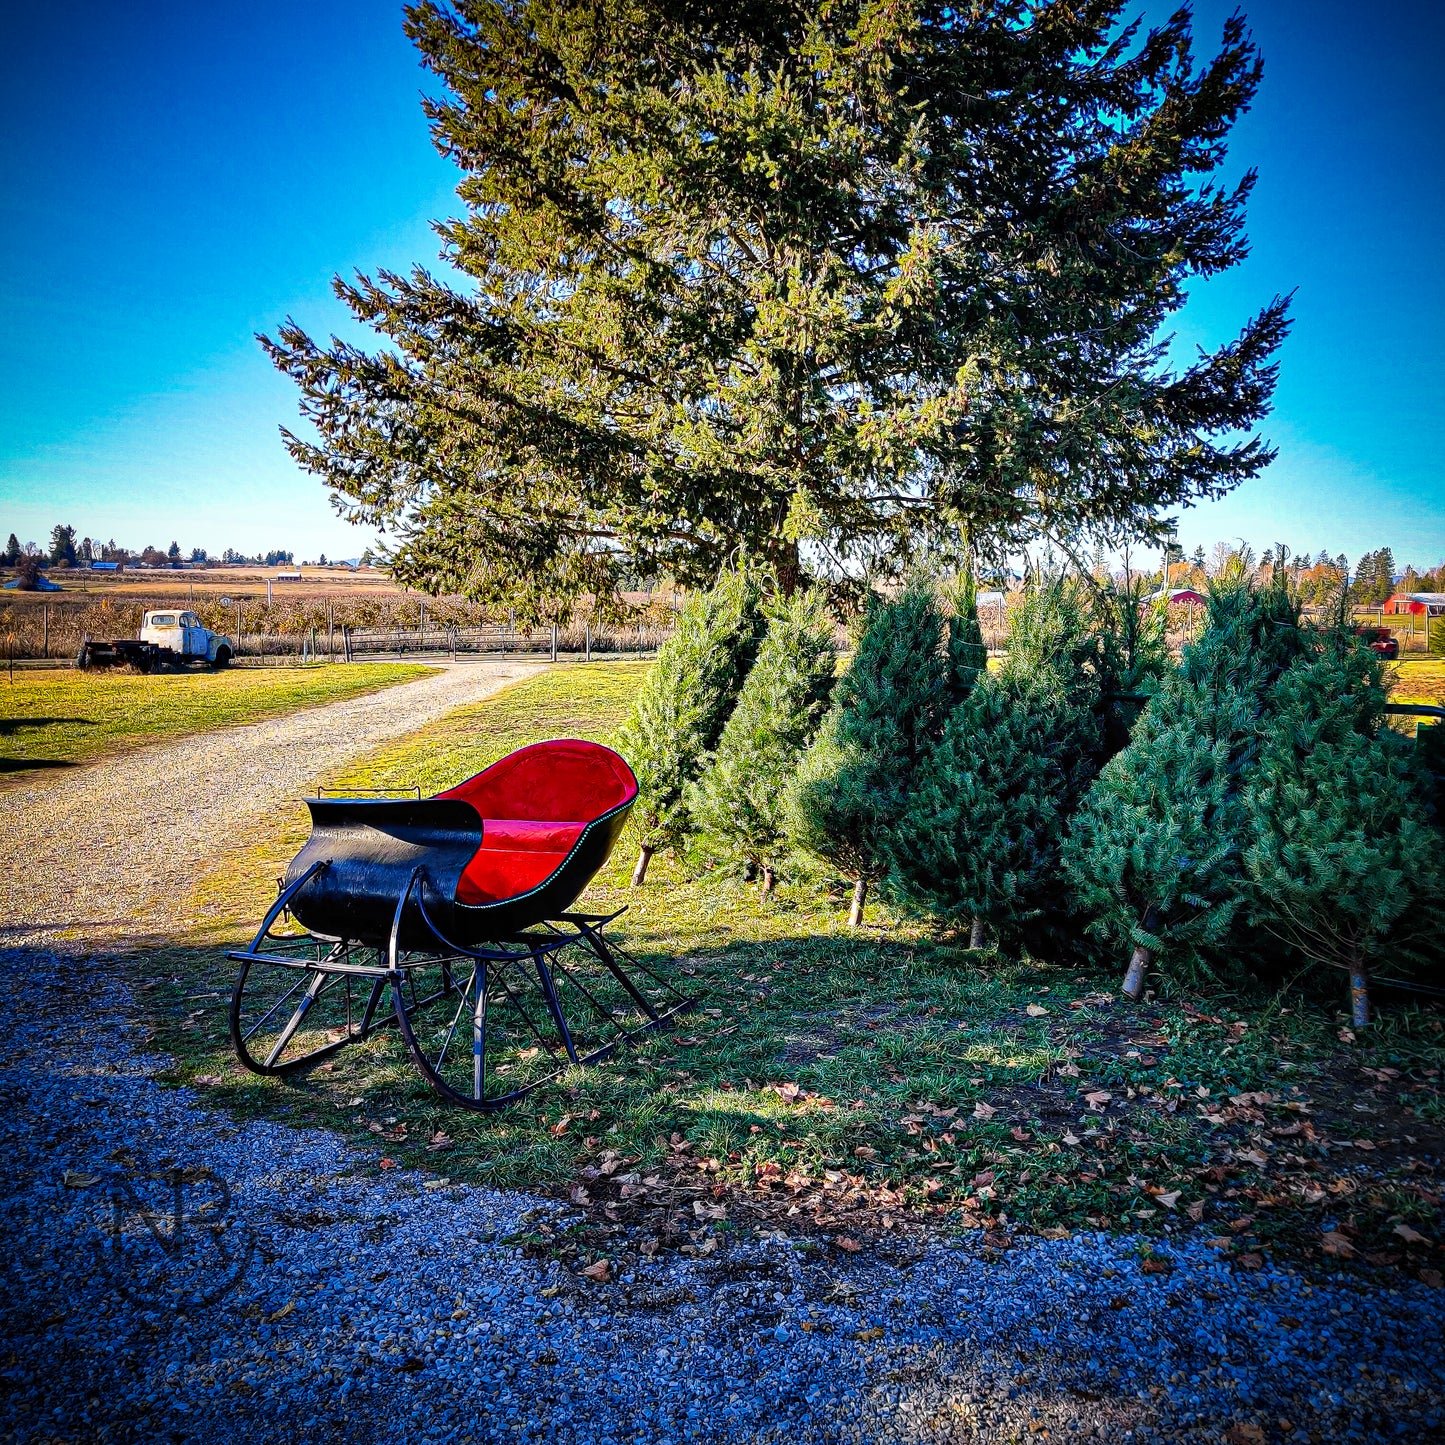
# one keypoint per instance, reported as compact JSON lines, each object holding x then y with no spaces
{"x":238,"y":602}
{"x":862,"y":1084}
{"x":55,"y":719}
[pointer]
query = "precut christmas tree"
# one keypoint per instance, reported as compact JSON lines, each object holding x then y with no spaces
{"x":683,"y":703}
{"x":909,"y":669}
{"x":740,"y":802}
{"x":979,"y":841}
{"x":1154,"y":854}
{"x":1339,"y":840}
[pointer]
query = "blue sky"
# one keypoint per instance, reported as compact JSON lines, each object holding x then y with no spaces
{"x":175,"y":178}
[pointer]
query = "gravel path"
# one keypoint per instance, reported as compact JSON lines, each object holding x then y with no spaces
{"x":393,"y":1305}
{"x":110,"y":849}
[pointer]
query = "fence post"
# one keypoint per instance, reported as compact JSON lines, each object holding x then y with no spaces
{"x":554,"y":642}
{"x":330,"y":632}
{"x":45,"y":629}
{"x":587,"y":642}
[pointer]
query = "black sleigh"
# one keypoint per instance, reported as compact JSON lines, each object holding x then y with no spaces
{"x":458,"y":905}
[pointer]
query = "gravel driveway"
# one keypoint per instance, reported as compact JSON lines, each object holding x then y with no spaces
{"x":109,"y":849}
{"x":308,"y":1296}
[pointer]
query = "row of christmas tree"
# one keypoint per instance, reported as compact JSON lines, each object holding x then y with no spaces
{"x":1242,"y":809}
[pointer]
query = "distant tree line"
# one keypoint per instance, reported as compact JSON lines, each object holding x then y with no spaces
{"x":68,"y":551}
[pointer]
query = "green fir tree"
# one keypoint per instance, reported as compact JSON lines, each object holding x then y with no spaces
{"x":1154,"y":854}
{"x":1340,"y":843}
{"x":740,"y":802}
{"x":909,"y":669}
{"x":979,"y":842}
{"x":683,"y":703}
{"x":821,"y":281}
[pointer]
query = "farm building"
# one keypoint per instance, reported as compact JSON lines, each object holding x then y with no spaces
{"x":1417,"y":604}
{"x":1177,"y":594}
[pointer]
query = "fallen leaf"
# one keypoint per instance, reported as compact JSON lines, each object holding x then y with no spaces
{"x":71,"y":1180}
{"x":1244,"y":1434}
{"x":865,"y":1151}
{"x":281,"y":1313}
{"x":1071,"y":1138}
{"x":983,"y":1111}
{"x":709,"y":1211}
{"x":865,"y":1336}
{"x":1168,"y":1200}
{"x":1250,"y":1261}
{"x":788,"y":1093}
{"x":1347,"y":1036}
{"x":601,"y":1271}
{"x":1334,"y":1242}
{"x":847,"y":1245}
{"x":1196,"y":1210}
{"x":1020,"y":1136}
{"x":1410,"y":1236}
{"x":435,"y":1183}
{"x":1252,"y":1156}
{"x":1054,"y":1231}
{"x":1431,"y":1278}
{"x":387,"y":1163}
{"x":1098,"y":1100}
{"x":1156,"y":1264}
{"x":1069,"y":1070}
{"x":439,"y":1140}
{"x":1036,"y":1011}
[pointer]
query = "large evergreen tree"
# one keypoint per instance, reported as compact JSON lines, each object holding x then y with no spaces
{"x":684,"y":701}
{"x":740,"y":802}
{"x":854,"y":275}
{"x":908,"y":670}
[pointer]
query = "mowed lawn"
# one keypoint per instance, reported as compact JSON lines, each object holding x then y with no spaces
{"x":55,"y":718}
{"x":1419,"y":682}
{"x":854,"y":1084}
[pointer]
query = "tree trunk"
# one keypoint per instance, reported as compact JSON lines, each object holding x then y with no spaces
{"x":976,"y":938}
{"x":1139,"y":962}
{"x":860,"y":897}
{"x":639,"y":873}
{"x":767,"y":880}
{"x":787,"y":564}
{"x":1141,"y":958}
{"x":1359,"y":994}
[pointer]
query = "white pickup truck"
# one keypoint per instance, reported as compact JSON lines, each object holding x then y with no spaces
{"x":166,"y":637}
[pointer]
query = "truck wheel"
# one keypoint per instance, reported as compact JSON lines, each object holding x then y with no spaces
{"x":223,"y":657}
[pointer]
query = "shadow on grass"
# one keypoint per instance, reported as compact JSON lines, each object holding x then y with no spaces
{"x":25,"y":765}
{"x":9,"y":726}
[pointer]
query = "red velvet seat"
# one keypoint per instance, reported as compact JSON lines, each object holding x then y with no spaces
{"x":534,"y":805}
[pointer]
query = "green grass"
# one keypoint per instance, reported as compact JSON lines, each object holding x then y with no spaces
{"x":855,"y":1084}
{"x":58,"y":718}
{"x":1419,"y":682}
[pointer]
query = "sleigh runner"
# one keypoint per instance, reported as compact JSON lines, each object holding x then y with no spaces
{"x":458,"y":906}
